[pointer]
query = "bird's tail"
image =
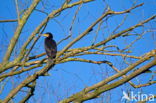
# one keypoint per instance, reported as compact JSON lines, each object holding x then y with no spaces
{"x":51,"y":62}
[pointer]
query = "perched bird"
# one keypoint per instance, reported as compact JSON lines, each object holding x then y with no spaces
{"x":50,"y":46}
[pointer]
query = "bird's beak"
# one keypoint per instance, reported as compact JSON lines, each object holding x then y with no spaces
{"x":46,"y":35}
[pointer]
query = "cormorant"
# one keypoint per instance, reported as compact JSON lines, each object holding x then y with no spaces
{"x":50,"y":46}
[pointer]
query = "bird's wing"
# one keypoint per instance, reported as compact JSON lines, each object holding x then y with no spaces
{"x":51,"y":48}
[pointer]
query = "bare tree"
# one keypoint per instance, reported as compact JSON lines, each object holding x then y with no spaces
{"x":104,"y":40}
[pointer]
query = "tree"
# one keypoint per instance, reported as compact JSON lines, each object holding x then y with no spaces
{"x":110,"y":38}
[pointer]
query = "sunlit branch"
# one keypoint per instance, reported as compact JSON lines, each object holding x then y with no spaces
{"x":108,"y":12}
{"x":103,"y":86}
{"x":13,"y":20}
{"x":119,"y":82}
{"x":18,"y":30}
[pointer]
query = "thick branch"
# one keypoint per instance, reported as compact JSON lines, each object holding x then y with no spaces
{"x":119,"y":82}
{"x":19,"y":29}
{"x":104,"y":82}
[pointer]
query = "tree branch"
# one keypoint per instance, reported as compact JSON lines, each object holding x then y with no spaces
{"x":18,"y":30}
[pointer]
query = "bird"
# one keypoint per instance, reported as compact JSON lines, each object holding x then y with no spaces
{"x":50,"y":46}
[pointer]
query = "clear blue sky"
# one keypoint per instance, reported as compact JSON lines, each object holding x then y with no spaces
{"x":69,"y":78}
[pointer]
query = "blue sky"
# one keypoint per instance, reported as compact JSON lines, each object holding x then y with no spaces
{"x":71,"y":77}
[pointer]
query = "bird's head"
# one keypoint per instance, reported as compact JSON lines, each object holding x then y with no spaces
{"x":48,"y":35}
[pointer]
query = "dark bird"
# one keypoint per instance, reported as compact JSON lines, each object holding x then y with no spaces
{"x":50,"y":46}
